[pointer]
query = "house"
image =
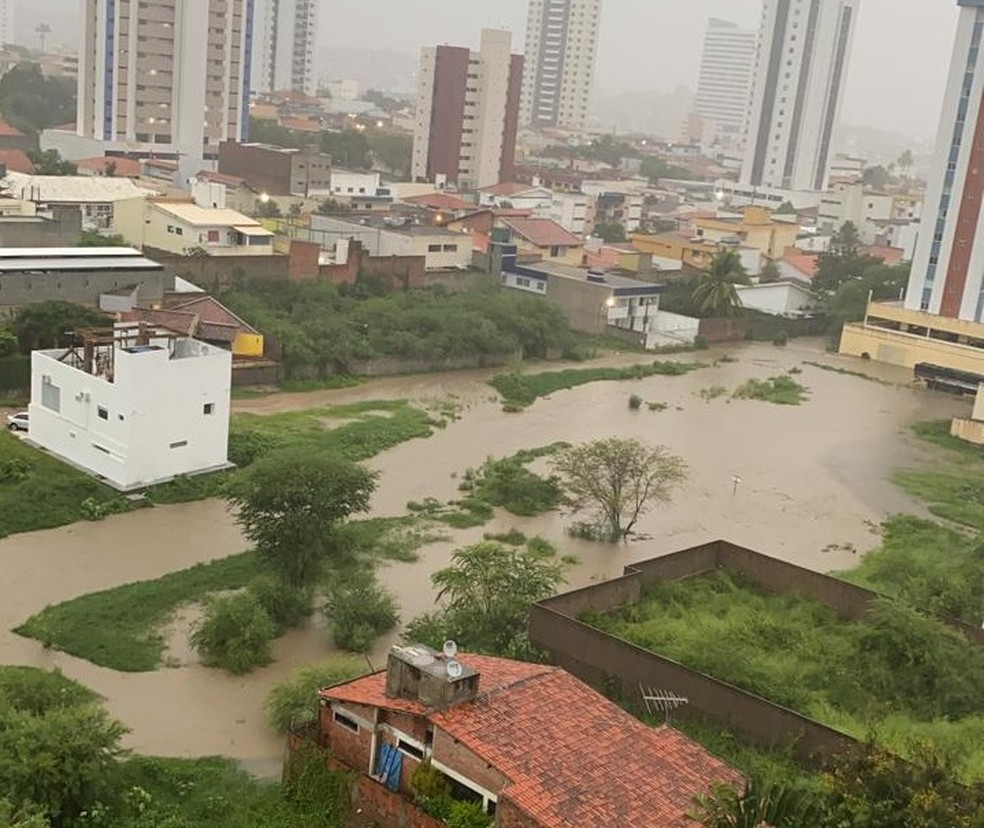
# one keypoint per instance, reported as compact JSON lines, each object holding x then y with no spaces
{"x":440,"y":203}
{"x":83,"y":275}
{"x":345,"y":184}
{"x":529,"y":743}
{"x":783,"y":298}
{"x":15,"y":160}
{"x":12,"y":138}
{"x":212,"y":189}
{"x":134,"y":405}
{"x":798,"y":266}
{"x":517,"y":196}
{"x":756,"y":228}
{"x":24,"y":226}
{"x":185,"y":228}
{"x":543,"y":238}
{"x":277,"y":171}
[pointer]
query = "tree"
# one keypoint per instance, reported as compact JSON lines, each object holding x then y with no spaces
{"x":758,"y":806}
{"x":294,"y":702}
{"x":618,"y":480}
{"x":877,"y":178}
{"x":393,"y":151}
{"x":348,"y":149}
{"x":235,"y":633}
{"x":32,"y":102}
{"x":359,"y":610}
{"x":905,"y":162}
{"x":295,"y":209}
{"x":329,"y":207}
{"x":270,"y":132}
{"x":654,"y":167}
{"x":770,"y":273}
{"x":485,"y":598}
{"x":878,"y":282}
{"x":842,"y":261}
{"x":786,"y":209}
{"x":714,"y":292}
{"x":50,"y":162}
{"x":610,"y":232}
{"x":21,"y":817}
{"x":50,"y":324}
{"x":268,"y":208}
{"x":656,"y":226}
{"x":92,"y":238}
{"x":290,"y":504}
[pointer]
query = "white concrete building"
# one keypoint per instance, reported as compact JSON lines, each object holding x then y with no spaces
{"x":137,"y":407}
{"x":727,"y":72}
{"x":8,"y":21}
{"x":285,"y":34}
{"x":353,"y":184}
{"x":573,"y":211}
{"x":442,"y":249}
{"x":784,"y":298}
{"x":343,"y":89}
{"x":948,"y":266}
{"x":165,"y":76}
{"x":803,"y":52}
{"x":561,"y":48}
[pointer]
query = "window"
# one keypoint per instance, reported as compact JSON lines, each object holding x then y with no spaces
{"x":102,"y":412}
{"x":344,"y":721}
{"x":450,"y":248}
{"x":433,"y":248}
{"x":410,"y":750}
{"x":103,"y":449}
{"x":208,"y":409}
{"x":50,"y":396}
{"x":213,"y":235}
{"x":179,"y":444}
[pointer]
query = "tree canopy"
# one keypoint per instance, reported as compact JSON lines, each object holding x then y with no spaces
{"x":50,"y":324}
{"x":714,"y":293}
{"x":610,"y":232}
{"x":32,"y":102}
{"x":842,"y":262}
{"x":50,"y":162}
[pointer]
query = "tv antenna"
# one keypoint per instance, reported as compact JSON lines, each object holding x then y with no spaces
{"x":450,"y":649}
{"x":455,"y":670}
{"x":661,"y":701}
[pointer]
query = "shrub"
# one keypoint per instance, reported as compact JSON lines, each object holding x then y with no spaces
{"x":247,"y":446}
{"x":511,"y":538}
{"x":700,"y":343}
{"x":426,"y":782}
{"x":235,"y":633}
{"x":635,"y":402}
{"x":294,"y":702}
{"x":286,"y":606}
{"x":781,"y":338}
{"x":359,"y":610}
{"x":14,"y":470}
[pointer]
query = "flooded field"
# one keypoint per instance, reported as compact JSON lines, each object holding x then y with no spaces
{"x":814,"y":487}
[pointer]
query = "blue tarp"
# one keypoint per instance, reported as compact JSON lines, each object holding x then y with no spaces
{"x":389,"y":766}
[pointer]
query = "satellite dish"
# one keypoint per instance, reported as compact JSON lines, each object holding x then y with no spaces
{"x":450,"y":649}
{"x":455,"y":669}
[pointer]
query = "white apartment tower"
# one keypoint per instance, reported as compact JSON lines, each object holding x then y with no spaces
{"x":168,"y":76}
{"x":285,"y":46}
{"x":7,"y":22}
{"x":727,"y":72}
{"x":948,"y":266}
{"x":561,"y":47}
{"x":801,"y":71}
{"x":468,"y":112}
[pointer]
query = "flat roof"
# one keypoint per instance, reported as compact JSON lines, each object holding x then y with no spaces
{"x":75,"y":263}
{"x":68,"y":252}
{"x":620,"y":284}
{"x":205,"y":216}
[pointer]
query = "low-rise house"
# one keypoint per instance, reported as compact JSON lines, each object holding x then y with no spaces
{"x":16,"y":161}
{"x":12,"y":138}
{"x":21,"y":225}
{"x":184,"y":228}
{"x":134,"y":405}
{"x":543,"y":238}
{"x":277,"y":171}
{"x":530,"y":744}
{"x":789,"y":298}
{"x":218,"y":190}
{"x":757,"y":227}
{"x":517,"y":196}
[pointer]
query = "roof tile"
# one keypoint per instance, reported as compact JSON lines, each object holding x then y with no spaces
{"x":542,"y":232}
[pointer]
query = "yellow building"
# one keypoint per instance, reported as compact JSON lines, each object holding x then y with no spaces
{"x":544,"y":238}
{"x":892,"y":334}
{"x":756,"y":228}
{"x":693,"y":253}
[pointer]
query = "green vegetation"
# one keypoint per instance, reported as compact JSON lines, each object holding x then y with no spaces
{"x":895,"y":673}
{"x":509,"y":484}
{"x":712,"y":393}
{"x":359,"y":610}
{"x":714,"y":292}
{"x":120,"y":627}
{"x":521,"y":390}
{"x":31,"y":102}
{"x":781,"y":390}
{"x":294,"y":702}
{"x":235,"y":633}
{"x":635,"y":402}
{"x":849,"y":373}
{"x":325,"y":330}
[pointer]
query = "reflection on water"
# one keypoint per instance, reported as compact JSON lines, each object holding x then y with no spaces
{"x":814,"y":483}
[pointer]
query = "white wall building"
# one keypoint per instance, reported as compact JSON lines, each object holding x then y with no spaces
{"x":572,"y":211}
{"x":727,"y":71}
{"x":8,"y":21}
{"x":803,"y":52}
{"x":144,"y":410}
{"x":343,"y":89}
{"x":561,"y":47}
{"x":785,"y":298}
{"x":441,"y":249}
{"x":285,"y":34}
{"x":353,"y":184}
{"x":166,"y":76}
{"x":948,"y":266}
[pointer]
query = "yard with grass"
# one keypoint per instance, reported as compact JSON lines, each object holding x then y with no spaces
{"x":520,"y":391}
{"x":896,"y":674}
{"x":781,"y":390}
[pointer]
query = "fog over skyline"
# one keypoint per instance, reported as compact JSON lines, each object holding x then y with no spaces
{"x":898,"y":65}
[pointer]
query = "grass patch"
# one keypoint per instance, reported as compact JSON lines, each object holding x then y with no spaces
{"x":895,"y":673}
{"x":846,"y":372}
{"x":335,"y":381}
{"x":781,"y":390}
{"x":521,"y":390}
{"x":937,"y":432}
{"x":712,"y":393}
{"x":393,"y":538}
{"x":511,"y":538}
{"x":120,"y":627}
{"x":509,"y":484}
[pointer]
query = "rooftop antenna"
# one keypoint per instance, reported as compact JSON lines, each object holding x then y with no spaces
{"x":661,"y":701}
{"x":450,"y":649}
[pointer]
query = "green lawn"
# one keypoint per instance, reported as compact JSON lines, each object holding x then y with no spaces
{"x":781,"y":390}
{"x":522,"y":390}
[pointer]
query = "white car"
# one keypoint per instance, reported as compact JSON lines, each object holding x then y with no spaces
{"x":18,"y":421}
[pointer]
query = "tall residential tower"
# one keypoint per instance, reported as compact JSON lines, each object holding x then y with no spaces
{"x":168,"y":76}
{"x":727,"y":71}
{"x":561,"y":47}
{"x":948,"y":266}
{"x":285,"y":46}
{"x":468,"y":112}
{"x":803,"y":52}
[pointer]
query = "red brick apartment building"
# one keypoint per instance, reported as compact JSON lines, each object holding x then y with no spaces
{"x":536,"y":746}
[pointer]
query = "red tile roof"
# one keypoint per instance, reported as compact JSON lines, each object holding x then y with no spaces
{"x":7,"y":131}
{"x":184,"y":323}
{"x":508,"y":188}
{"x":220,"y":178}
{"x":889,"y":255}
{"x":805,"y":263}
{"x":301,"y":125}
{"x":123,"y":167}
{"x":572,"y":757}
{"x":16,"y":160}
{"x":542,"y":232}
{"x":440,"y":201}
{"x":512,"y":212}
{"x":210,"y":311}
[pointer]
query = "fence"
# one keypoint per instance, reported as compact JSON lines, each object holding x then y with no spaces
{"x":619,"y":667}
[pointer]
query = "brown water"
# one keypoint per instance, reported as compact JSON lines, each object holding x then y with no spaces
{"x":814,"y":488}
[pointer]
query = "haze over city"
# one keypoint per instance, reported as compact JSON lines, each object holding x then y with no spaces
{"x":898,"y":64}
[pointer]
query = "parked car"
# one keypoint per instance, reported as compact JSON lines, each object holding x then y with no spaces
{"x":18,"y":421}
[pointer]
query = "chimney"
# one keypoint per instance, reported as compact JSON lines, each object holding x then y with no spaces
{"x":436,"y":680}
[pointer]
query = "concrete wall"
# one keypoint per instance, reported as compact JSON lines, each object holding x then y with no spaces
{"x":907,"y":350}
{"x":63,"y":229}
{"x":673,"y":328}
{"x":776,"y":298}
{"x":147,"y":425}
{"x":19,"y":289}
{"x":266,"y":171}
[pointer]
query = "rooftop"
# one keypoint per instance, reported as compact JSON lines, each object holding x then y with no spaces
{"x":571,"y":757}
{"x":197,"y":216}
{"x":622,"y":284}
{"x":542,"y":232}
{"x":440,"y":201}
{"x":102,"y":165}
{"x":16,"y":160}
{"x":7,"y":131}
{"x":509,"y":188}
{"x":72,"y":189}
{"x":220,"y":178}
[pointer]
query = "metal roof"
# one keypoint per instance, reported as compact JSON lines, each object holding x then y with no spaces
{"x":68,"y":252}
{"x":73,"y":263}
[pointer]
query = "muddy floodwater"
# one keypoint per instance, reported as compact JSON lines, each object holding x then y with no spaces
{"x":806,"y":483}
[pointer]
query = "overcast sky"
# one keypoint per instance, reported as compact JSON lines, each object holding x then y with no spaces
{"x":899,"y":64}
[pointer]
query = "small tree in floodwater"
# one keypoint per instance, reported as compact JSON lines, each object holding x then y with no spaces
{"x":618,"y":481}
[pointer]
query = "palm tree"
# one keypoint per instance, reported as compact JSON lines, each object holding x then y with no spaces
{"x":758,"y":806}
{"x":714,"y":293}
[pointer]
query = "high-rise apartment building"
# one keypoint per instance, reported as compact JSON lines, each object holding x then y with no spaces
{"x":727,"y":72}
{"x":801,"y":71}
{"x":948,"y":266}
{"x":561,"y":47}
{"x":7,"y":22}
{"x":285,"y":46}
{"x":168,"y":76}
{"x":468,"y":112}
